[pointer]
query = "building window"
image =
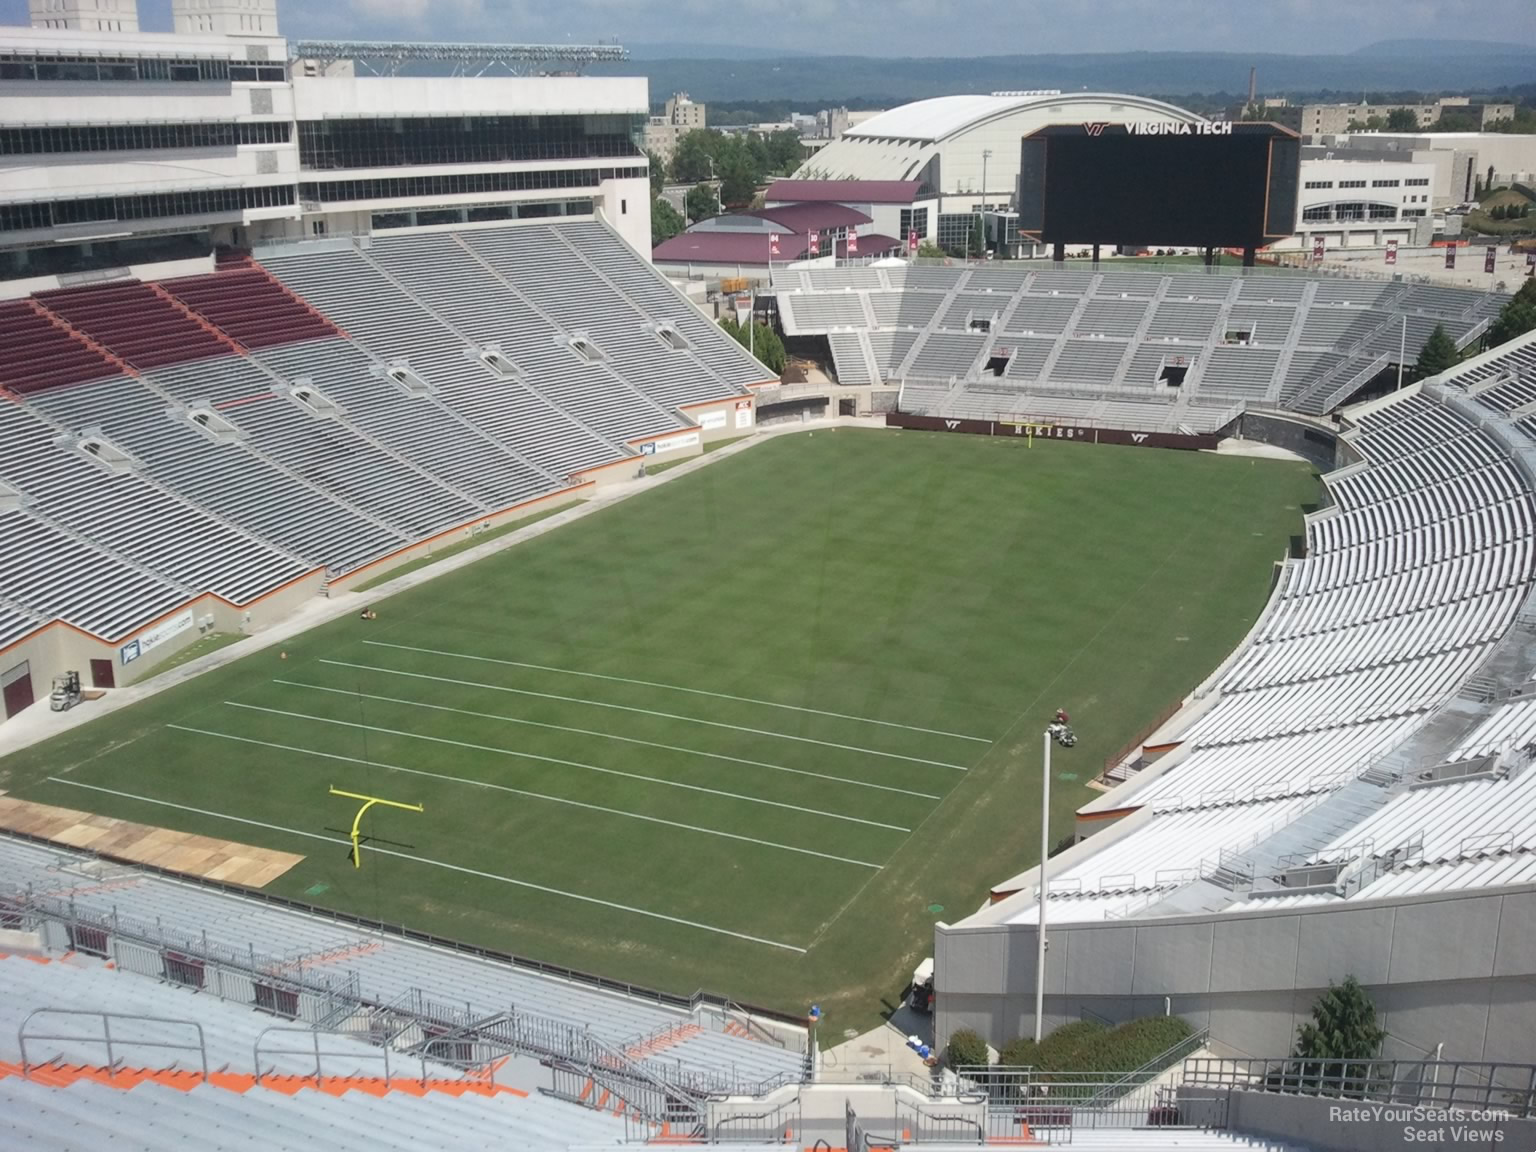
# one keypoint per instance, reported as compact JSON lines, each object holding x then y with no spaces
{"x":1382,"y":211}
{"x":1351,"y":183}
{"x":138,"y":137}
{"x":92,"y":68}
{"x":112,"y":209}
{"x":462,"y":184}
{"x":328,"y":145}
{"x":1319,"y":184}
{"x":1420,"y":182}
{"x":914,"y":220}
{"x":623,"y":207}
{"x":1385,"y":183}
{"x":955,"y":230}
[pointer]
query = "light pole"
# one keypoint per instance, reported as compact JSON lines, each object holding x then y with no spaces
{"x":1045,"y":856}
{"x":986,"y":154}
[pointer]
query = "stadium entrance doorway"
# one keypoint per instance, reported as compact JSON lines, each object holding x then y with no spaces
{"x":102,"y":675}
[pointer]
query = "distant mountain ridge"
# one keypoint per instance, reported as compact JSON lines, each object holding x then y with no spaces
{"x":1445,"y":48}
{"x":810,"y":80}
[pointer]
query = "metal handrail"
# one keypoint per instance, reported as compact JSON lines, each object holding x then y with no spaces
{"x":1442,"y":1083}
{"x":1153,"y":1067}
{"x":313,"y":1049}
{"x":106,"y":1038}
{"x":400,"y":931}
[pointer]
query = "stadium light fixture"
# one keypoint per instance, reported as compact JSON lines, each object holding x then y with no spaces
{"x":1045,"y":856}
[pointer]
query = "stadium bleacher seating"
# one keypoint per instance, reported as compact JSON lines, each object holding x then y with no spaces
{"x":379,"y":969}
{"x":1259,"y":339}
{"x":1416,"y":570}
{"x":322,"y":406}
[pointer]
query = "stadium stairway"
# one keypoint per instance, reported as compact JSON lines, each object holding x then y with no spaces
{"x":1247,"y":872}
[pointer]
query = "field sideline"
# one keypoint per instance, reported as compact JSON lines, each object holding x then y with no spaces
{"x":753,"y":731}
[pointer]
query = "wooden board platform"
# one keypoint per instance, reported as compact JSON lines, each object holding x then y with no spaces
{"x":179,"y":851}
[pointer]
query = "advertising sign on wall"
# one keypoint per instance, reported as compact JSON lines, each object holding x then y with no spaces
{"x":154,"y":637}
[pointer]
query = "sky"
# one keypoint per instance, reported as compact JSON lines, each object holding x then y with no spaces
{"x":907,"y":27}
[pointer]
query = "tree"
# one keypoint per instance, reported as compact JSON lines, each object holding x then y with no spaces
{"x":1343,"y":1026}
{"x":1401,"y":120}
{"x":1438,"y":354}
{"x":702,"y":203}
{"x":930,"y":251}
{"x":784,"y":152}
{"x":1517,"y":317}
{"x":658,"y":173}
{"x":761,"y":339}
{"x":738,"y":180}
{"x":966,"y":1048}
{"x":666,"y":221}
{"x":977,"y":247}
{"x":693,"y":158}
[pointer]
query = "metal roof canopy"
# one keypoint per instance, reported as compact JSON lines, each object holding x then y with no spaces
{"x":384,"y":57}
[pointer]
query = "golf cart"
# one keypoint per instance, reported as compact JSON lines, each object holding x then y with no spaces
{"x":920,"y":992}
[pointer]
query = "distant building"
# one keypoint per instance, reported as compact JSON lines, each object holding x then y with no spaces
{"x":895,"y":207}
{"x":680,"y":117}
{"x":1333,"y":119}
{"x":744,"y":243}
{"x":963,"y":151}
{"x":831,"y":123}
{"x":1459,"y":159}
{"x":1362,"y":203}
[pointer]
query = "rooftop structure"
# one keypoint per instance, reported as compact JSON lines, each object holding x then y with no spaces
{"x":259,"y":139}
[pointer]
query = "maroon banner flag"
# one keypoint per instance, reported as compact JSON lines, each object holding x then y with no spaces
{"x":773,"y":243}
{"x":815,"y":244}
{"x":853,"y":243}
{"x":1490,"y":258}
{"x":912,"y":240}
{"x":1317,"y":249}
{"x":1391,"y":251}
{"x":1450,"y":255}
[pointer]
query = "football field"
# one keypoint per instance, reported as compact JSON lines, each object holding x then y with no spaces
{"x":753,"y":731}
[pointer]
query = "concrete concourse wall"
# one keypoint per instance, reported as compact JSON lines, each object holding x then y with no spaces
{"x":1456,"y":969}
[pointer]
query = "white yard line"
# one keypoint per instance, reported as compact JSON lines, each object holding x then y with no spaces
{"x":647,"y":712}
{"x":680,"y":688}
{"x":625,"y":740}
{"x":436,"y":864}
{"x":522,"y":756}
{"x":545,"y":796}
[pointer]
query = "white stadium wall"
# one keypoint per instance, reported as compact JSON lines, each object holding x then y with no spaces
{"x":1453,"y":968}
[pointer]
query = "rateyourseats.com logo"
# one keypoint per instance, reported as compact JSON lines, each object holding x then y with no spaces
{"x":1469,"y":1127}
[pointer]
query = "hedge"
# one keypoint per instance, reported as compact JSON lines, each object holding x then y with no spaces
{"x":965,"y":1048}
{"x":1087,"y":1046}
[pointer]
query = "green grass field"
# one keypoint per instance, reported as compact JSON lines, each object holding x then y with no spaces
{"x":753,"y":731}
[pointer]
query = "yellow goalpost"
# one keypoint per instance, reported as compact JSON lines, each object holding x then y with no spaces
{"x":357,"y":823}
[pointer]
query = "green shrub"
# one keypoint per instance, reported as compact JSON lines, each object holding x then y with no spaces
{"x":965,"y":1047}
{"x":1020,"y":1053}
{"x":1087,"y":1046}
{"x":1131,"y":1045}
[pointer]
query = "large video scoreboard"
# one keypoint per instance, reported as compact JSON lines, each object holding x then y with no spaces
{"x":1205,"y":184}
